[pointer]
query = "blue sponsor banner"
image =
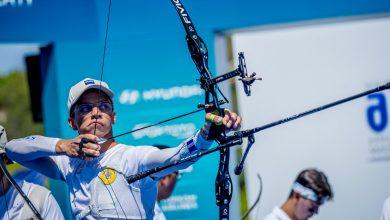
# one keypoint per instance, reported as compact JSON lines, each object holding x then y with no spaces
{"x":41,"y":21}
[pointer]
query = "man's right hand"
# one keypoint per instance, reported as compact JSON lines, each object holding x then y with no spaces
{"x":72,"y":147}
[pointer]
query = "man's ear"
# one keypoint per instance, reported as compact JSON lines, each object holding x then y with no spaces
{"x":296,"y":195}
{"x":113,"y":117}
{"x":163,"y":181}
{"x":72,"y":124}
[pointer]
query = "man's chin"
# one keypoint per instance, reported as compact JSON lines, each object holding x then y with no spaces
{"x":100,"y":134}
{"x":310,"y":215}
{"x":97,"y":132}
{"x":306,"y":217}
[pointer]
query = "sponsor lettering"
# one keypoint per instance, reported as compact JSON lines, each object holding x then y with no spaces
{"x":179,"y":131}
{"x":377,"y":113}
{"x":16,"y":3}
{"x":131,"y":97}
{"x":180,"y":202}
{"x":182,"y":11}
{"x":377,"y":120}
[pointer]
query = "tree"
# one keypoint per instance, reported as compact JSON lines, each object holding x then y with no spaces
{"x":15,"y":113}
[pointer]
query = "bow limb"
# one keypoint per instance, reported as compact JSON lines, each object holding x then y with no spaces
{"x":199,"y":54}
{"x":20,"y":191}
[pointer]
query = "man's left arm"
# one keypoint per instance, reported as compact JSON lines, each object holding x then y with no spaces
{"x":202,"y":140}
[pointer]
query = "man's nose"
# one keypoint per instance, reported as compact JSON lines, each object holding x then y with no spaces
{"x":95,"y":111}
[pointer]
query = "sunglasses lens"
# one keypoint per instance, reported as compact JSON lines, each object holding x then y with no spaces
{"x":86,"y":108}
{"x":105,"y":107}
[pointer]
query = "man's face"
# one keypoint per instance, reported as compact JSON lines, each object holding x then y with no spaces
{"x":92,"y":113}
{"x":167,"y":185}
{"x":305,"y":208}
{"x":172,"y":182}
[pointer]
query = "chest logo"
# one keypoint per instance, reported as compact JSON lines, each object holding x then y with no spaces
{"x":108,"y":176}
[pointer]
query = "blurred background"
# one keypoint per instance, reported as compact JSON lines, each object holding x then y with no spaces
{"x":309,"y":53}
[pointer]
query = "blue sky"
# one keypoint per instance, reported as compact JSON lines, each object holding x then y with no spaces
{"x":12,"y":56}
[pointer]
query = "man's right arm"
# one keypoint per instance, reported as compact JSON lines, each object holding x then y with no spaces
{"x":34,"y":152}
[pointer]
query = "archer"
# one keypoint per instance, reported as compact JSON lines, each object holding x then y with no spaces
{"x":95,"y":170}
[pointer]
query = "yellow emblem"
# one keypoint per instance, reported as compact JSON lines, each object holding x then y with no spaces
{"x":108,"y":176}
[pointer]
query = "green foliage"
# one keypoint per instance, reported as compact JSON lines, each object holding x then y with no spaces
{"x":15,"y":113}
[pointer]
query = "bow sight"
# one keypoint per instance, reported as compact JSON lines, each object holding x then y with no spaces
{"x":241,"y":71}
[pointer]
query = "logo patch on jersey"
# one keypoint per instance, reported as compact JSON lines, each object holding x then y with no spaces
{"x":108,"y":176}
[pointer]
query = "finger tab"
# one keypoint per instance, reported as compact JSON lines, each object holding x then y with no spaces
{"x":216,"y":119}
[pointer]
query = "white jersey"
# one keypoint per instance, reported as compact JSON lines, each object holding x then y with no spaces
{"x":158,"y":213}
{"x":13,"y":206}
{"x":386,"y":210}
{"x":98,"y":188}
{"x":277,"y":214}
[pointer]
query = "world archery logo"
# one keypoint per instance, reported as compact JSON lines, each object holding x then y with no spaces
{"x":377,"y":113}
{"x":108,"y":176}
{"x":377,"y":119}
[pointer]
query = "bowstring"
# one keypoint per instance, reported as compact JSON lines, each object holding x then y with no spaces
{"x":98,"y":100}
{"x":103,"y":61}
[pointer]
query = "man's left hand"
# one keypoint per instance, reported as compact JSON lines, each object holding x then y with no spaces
{"x":230,"y":121}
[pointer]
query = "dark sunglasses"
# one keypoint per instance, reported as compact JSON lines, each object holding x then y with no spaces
{"x":85,"y":108}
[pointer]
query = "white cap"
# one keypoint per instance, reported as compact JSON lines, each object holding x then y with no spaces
{"x":3,"y":139}
{"x":77,"y":90}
